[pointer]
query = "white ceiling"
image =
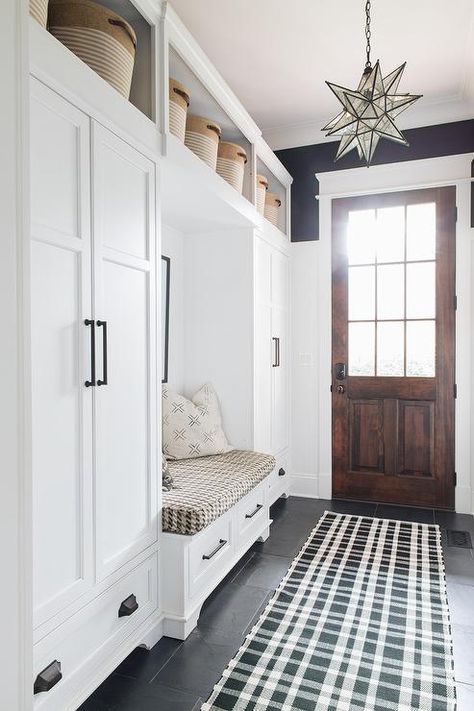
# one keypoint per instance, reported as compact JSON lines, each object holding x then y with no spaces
{"x":276,"y":56}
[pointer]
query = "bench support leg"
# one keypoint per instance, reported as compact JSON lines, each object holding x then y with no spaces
{"x":181,"y":628}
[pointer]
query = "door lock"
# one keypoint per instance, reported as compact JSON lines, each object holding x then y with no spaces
{"x":340,"y":371}
{"x":341,"y":389}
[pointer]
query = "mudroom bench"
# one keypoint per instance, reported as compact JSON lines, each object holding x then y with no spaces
{"x":218,"y":507}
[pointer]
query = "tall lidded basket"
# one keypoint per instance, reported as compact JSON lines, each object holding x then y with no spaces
{"x":202,"y":137}
{"x":231,"y":160}
{"x":101,"y":38}
{"x":262,"y":186}
{"x":272,"y":208}
{"x":178,"y":108}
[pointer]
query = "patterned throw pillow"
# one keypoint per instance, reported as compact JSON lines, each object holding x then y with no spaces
{"x":166,"y":478}
{"x":192,"y":428}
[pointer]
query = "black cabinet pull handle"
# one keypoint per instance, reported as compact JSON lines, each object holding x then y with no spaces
{"x":48,"y":678}
{"x":275,"y":361}
{"x":278,"y":352}
{"x":251,"y":515}
{"x":90,"y":383}
{"x":281,"y":472}
{"x":128,"y":606}
{"x":210,"y":555}
{"x":103,"y":325}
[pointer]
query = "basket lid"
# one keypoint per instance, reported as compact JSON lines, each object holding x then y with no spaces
{"x":179,"y":89}
{"x":85,"y":13}
{"x":272,"y":199}
{"x":232,"y":151}
{"x":262,"y":180}
{"x":201,"y":124}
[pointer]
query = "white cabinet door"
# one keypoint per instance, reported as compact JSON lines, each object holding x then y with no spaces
{"x":264,"y":348}
{"x":60,"y":342}
{"x":125,"y":425}
{"x":280,"y":396}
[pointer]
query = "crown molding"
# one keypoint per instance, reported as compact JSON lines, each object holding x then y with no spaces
{"x":452,"y":109}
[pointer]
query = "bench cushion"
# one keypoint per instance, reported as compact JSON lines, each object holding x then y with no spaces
{"x":207,"y":487}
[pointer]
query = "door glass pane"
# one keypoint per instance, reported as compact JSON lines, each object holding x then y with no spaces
{"x":421,"y":348}
{"x":391,"y":291}
{"x":421,"y":232}
{"x":361,"y":293}
{"x":361,"y":348}
{"x":361,"y":237}
{"x":421,"y":290}
{"x":390,"y":348}
{"x":391,"y":234}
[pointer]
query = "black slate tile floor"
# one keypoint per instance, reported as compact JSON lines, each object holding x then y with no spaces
{"x":179,"y":676}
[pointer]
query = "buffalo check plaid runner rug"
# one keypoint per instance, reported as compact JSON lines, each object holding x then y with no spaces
{"x":360,"y":622}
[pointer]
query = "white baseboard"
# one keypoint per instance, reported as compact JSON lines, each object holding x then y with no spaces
{"x":464,"y":499}
{"x":304,"y":485}
{"x":325,"y":486}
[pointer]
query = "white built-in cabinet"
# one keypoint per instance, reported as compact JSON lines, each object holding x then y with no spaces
{"x":272,"y":352}
{"x":123,"y":188}
{"x":272,"y":347}
{"x":94,"y":392}
{"x":97,"y":208}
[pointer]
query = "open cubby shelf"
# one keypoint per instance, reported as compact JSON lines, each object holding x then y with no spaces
{"x":194,"y":196}
{"x":202,"y":103}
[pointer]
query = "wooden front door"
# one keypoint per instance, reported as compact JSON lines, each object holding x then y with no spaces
{"x":393,"y":308}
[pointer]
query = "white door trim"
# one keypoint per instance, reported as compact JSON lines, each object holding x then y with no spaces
{"x":450,"y":170}
{"x":15,"y":437}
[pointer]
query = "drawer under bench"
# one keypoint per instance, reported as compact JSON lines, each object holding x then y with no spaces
{"x":193,"y":566}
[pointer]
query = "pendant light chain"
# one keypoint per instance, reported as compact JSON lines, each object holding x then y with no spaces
{"x":367,"y":32}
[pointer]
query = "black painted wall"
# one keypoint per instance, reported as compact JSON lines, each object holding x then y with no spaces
{"x":302,"y":163}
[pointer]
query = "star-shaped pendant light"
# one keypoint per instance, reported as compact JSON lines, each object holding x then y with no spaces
{"x":369,"y":111}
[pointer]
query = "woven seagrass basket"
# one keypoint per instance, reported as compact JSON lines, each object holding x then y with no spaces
{"x":178,"y":103}
{"x":231,"y":160}
{"x":39,"y":10}
{"x":262,"y":186}
{"x":202,"y":137}
{"x":272,"y":208}
{"x":98,"y":36}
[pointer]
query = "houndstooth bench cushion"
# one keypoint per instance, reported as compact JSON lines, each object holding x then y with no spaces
{"x":205,"y":488}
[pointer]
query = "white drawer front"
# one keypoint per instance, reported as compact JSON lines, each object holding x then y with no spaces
{"x":251,"y":516}
{"x":76,"y":642}
{"x":209,"y":553}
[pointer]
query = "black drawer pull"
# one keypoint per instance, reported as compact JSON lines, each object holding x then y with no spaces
{"x":210,"y":555}
{"x":281,"y":472}
{"x":275,"y":361}
{"x":103,"y":325}
{"x":251,"y":515}
{"x":90,"y":383}
{"x":48,"y":678}
{"x":128,"y":606}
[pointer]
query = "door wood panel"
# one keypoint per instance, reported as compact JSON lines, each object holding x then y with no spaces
{"x":366,"y":435}
{"x":393,"y":435}
{"x":125,"y":418}
{"x":60,"y":301}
